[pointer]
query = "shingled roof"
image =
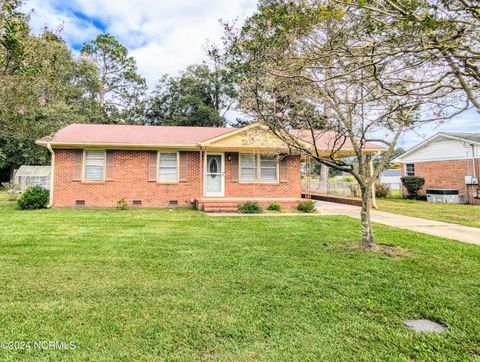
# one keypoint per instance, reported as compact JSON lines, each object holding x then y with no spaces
{"x":102,"y":135}
{"x":98,"y":134}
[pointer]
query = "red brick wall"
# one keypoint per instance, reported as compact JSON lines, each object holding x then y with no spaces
{"x":445,"y":174}
{"x":130,"y":181}
{"x":290,"y":189}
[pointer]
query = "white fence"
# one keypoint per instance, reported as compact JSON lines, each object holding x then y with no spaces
{"x":344,"y":189}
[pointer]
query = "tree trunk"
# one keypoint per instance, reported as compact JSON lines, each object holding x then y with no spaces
{"x":367,"y":235}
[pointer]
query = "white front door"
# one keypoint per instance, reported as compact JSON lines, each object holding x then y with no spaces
{"x":214,"y":174}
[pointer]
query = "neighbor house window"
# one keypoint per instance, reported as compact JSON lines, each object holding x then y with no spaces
{"x":268,"y":168}
{"x":248,"y":167}
{"x":261,"y":168}
{"x":410,"y":169}
{"x":94,"y":166}
{"x":167,"y":166}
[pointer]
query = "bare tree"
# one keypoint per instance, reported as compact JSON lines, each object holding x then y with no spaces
{"x":444,"y":33}
{"x":312,"y":72}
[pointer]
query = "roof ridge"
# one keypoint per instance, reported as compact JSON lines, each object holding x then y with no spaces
{"x":142,"y":125}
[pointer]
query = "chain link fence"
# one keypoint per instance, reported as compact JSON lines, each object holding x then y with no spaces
{"x":346,"y":189}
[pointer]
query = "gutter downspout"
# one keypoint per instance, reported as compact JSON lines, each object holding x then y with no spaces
{"x":52,"y":172}
{"x":475,"y":170}
{"x":475,"y":173}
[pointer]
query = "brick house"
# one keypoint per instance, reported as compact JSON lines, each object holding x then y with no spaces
{"x":446,"y":161}
{"x":212,"y":169}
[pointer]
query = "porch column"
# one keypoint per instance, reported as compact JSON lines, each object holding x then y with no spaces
{"x":324,"y":173}
{"x":370,"y":170}
{"x":201,"y":174}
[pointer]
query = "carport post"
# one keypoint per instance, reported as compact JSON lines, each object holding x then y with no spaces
{"x":370,"y":170}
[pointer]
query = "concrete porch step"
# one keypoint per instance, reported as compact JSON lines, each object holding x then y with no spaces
{"x":231,"y":204}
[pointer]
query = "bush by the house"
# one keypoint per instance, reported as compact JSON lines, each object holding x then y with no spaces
{"x":35,"y":197}
{"x":382,"y":190}
{"x":122,"y":204}
{"x":249,"y":208}
{"x":274,"y":207}
{"x":306,"y":206}
{"x":413,"y":184}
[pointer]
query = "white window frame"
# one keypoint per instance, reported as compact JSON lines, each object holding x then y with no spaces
{"x":158,"y":167}
{"x":255,"y":165}
{"x":258,"y":168}
{"x":276,"y":158}
{"x":406,"y":169}
{"x":84,"y":165}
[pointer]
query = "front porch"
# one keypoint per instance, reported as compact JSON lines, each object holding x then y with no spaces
{"x":218,"y":204}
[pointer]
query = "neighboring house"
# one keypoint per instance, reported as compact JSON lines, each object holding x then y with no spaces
{"x":392,"y":176}
{"x":446,"y":161}
{"x":162,"y":166}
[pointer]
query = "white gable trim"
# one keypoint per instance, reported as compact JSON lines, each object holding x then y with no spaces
{"x":429,"y":142}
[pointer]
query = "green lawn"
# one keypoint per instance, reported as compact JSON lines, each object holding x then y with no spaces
{"x":468,"y":215}
{"x":179,"y":285}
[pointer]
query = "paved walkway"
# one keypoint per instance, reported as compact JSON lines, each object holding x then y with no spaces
{"x":438,"y":228}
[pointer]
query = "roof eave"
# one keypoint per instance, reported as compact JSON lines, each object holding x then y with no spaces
{"x":430,"y":140}
{"x":116,"y":145}
{"x":466,"y":140}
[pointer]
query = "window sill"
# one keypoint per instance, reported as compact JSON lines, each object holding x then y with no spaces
{"x":168,"y":182}
{"x":93,"y":182}
{"x":259,"y":182}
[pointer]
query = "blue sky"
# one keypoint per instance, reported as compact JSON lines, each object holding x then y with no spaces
{"x":165,"y":36}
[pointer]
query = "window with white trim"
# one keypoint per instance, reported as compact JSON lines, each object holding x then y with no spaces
{"x":410,"y":169}
{"x":248,"y":167}
{"x":268,"y":168}
{"x":94,"y":166}
{"x":167,"y":166}
{"x":263,"y":168}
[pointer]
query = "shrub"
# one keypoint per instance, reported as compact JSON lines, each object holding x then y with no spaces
{"x":35,"y":197}
{"x":306,"y":206}
{"x":274,"y":207}
{"x":413,"y":184}
{"x":348,"y":179}
{"x":122,"y":204}
{"x":382,"y":190}
{"x":249,"y":208}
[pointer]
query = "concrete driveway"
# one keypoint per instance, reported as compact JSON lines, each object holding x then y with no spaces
{"x":438,"y":228}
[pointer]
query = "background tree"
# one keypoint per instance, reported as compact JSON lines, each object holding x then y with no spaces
{"x":388,"y":161}
{"x":13,"y":34}
{"x":121,"y":90}
{"x":444,"y":33}
{"x":42,"y":88}
{"x":309,"y":69}
{"x":47,"y":94}
{"x":200,"y":96}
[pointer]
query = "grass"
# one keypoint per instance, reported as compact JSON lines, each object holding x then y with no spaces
{"x":146,"y":284}
{"x":468,"y":215}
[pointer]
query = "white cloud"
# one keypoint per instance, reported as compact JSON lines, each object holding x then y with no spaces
{"x":164,"y":36}
{"x":468,"y":121}
{"x":74,"y":30}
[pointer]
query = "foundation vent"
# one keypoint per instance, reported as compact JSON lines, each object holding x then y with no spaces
{"x":79,"y":203}
{"x":173,"y":203}
{"x":137,"y":203}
